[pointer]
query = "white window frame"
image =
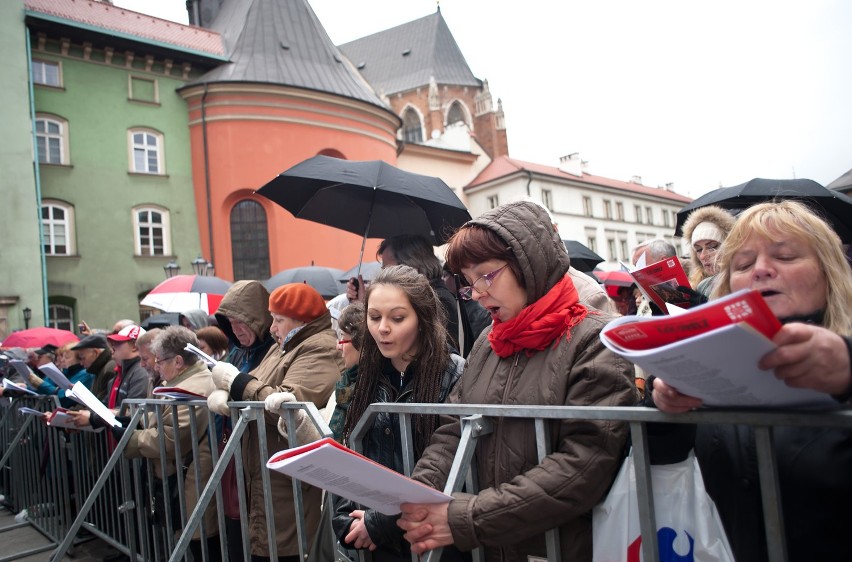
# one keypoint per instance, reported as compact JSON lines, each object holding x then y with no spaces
{"x":547,"y":199}
{"x":52,"y":138}
{"x":52,"y":225}
{"x":592,"y":243}
{"x":493,"y":201}
{"x":41,"y":77}
{"x":587,"y":206}
{"x":607,"y":209}
{"x":64,"y":323}
{"x":133,"y":146}
{"x":164,"y":224}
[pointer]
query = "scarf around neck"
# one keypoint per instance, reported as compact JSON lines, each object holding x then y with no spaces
{"x":541,"y":323}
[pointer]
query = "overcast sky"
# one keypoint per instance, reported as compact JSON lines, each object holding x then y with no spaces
{"x":700,"y":94}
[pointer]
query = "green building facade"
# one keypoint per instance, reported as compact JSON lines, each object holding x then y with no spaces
{"x":114,"y":171}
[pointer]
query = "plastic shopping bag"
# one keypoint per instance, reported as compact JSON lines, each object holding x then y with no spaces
{"x":688,"y":525}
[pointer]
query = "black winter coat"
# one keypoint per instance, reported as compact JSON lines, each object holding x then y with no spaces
{"x":814,"y":468}
{"x":382,"y":444}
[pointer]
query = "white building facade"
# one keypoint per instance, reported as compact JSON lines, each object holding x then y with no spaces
{"x":609,"y":216}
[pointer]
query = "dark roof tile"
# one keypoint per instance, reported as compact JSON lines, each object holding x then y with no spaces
{"x":283,"y":42}
{"x":432,"y":51}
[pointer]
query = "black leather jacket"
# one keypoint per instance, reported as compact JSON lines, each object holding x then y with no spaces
{"x":381,"y":444}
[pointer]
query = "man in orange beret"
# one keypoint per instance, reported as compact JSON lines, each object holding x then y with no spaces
{"x":307,"y":364}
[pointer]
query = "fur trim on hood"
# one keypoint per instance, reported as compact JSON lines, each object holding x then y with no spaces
{"x":712,"y":214}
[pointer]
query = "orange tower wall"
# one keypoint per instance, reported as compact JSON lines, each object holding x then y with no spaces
{"x":255,"y":132}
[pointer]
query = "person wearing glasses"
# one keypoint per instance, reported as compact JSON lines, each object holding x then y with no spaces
{"x":180,"y":368}
{"x":543,"y":349}
{"x":405,"y":357}
{"x":705,"y":228}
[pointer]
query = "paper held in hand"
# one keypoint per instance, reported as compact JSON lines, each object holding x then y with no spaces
{"x":13,"y":389}
{"x":343,"y":472}
{"x":201,"y":355}
{"x":659,"y":281}
{"x":82,"y":394}
{"x":711,"y":352}
{"x":52,"y":372}
{"x":60,"y":418}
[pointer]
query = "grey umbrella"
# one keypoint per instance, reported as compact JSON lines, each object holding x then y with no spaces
{"x":324,"y":279}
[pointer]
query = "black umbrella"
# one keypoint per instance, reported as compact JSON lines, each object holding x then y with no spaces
{"x":324,"y":279}
{"x":582,"y":257}
{"x":373,"y":199}
{"x":833,"y":206}
{"x":163,"y":320}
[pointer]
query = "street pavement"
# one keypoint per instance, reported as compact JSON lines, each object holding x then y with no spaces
{"x":24,"y":538}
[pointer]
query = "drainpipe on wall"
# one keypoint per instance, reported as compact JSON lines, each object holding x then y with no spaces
{"x":207,"y":174}
{"x":37,"y":175}
{"x":529,"y":182}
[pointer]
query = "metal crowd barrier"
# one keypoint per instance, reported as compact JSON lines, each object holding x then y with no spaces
{"x":36,"y":483}
{"x":123,"y":486}
{"x":109,"y":495}
{"x":476,"y":422}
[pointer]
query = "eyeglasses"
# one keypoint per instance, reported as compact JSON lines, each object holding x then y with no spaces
{"x":157,"y":360}
{"x":343,"y":342}
{"x":481,"y":285}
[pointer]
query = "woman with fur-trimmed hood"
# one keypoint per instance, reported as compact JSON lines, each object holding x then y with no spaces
{"x":705,"y":229}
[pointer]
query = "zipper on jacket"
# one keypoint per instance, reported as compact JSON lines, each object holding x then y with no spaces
{"x":498,"y":437}
{"x":499,"y":434}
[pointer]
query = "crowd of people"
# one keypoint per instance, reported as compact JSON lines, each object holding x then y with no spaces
{"x":505,"y":320}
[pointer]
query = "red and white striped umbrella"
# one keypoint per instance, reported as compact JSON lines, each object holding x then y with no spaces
{"x":187,"y":292}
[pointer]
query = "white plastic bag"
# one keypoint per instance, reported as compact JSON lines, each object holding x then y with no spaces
{"x":688,"y":525}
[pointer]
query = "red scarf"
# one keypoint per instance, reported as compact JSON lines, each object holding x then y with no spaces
{"x":541,"y":323}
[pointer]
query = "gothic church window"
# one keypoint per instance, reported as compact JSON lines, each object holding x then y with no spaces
{"x":455,"y":114}
{"x":412,"y":129}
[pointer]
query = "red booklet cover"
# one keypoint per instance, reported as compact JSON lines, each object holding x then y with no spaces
{"x":659,"y":282}
{"x":176,"y":393}
{"x":640,"y":333}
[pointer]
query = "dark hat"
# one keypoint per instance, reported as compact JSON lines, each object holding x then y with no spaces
{"x":46,"y":348}
{"x":95,"y":341}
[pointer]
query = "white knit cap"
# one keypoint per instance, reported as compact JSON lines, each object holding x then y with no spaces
{"x":707,"y":231}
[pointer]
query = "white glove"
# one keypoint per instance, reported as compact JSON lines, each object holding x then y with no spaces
{"x":306,"y":431}
{"x":273,"y":401}
{"x":224,"y":375}
{"x":217,"y":402}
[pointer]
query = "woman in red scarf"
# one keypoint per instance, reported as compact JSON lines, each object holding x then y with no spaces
{"x":542,"y":349}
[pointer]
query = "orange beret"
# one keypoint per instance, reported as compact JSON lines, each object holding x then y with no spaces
{"x":297,"y":300}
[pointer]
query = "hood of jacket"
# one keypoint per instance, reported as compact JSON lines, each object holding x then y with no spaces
{"x":197,"y":317}
{"x":528,"y":231}
{"x":248,"y":302}
{"x":713,"y":214}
